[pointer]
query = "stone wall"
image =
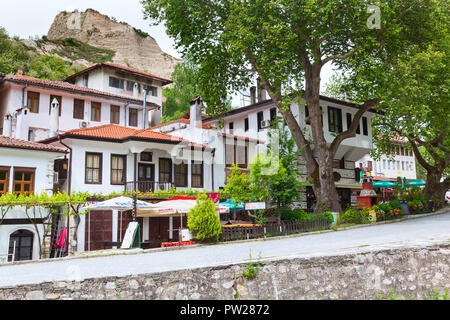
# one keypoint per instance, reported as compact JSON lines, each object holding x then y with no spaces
{"x":409,"y":272}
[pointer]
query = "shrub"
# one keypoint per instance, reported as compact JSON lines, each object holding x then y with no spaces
{"x":380,"y":212}
{"x":293,"y":215}
{"x":351,"y":215}
{"x":203,"y":221}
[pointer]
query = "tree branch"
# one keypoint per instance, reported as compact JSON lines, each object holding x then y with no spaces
{"x":351,"y":132}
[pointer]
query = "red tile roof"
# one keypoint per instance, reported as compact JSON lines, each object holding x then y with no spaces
{"x":68,"y":87}
{"x":121,"y":68}
{"x":8,"y":142}
{"x":116,"y":133}
{"x":185,"y":121}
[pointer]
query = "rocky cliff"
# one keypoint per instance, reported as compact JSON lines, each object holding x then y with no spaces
{"x":130,"y":47}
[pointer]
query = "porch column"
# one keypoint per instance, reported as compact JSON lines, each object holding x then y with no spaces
{"x":135,"y":171}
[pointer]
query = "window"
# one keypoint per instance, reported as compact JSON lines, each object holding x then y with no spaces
{"x":365,"y":126}
{"x":349,"y":120}
{"x":236,"y":154}
{"x":4,"y":180}
{"x":307,"y":119}
{"x":33,"y":101}
{"x":389,"y":164}
{"x":59,"y":99}
{"x":246,"y":125}
{"x":358,"y":129}
{"x":260,"y":116}
{"x":147,"y":156}
{"x":384,"y":164}
{"x":130,"y":86}
{"x":133,"y":118}
{"x":231,"y":127}
{"x":197,"y":175}
{"x":403,"y":165}
{"x":78,"y":109}
{"x":273,"y":114}
{"x":398,"y":165}
{"x":153,"y":91}
{"x":181,"y":175}
{"x":115,"y":114}
{"x":21,"y":244}
{"x":23,"y":180}
{"x":165,"y":170}
{"x":93,"y":169}
{"x":116,"y":83}
{"x":118,"y":169}
{"x":402,"y":151}
{"x":96,"y":111}
{"x":334,"y":119}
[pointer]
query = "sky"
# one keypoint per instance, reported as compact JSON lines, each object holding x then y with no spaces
{"x":30,"y":18}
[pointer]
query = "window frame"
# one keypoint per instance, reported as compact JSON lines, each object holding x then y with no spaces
{"x":130,"y":112}
{"x":334,"y":126}
{"x":121,"y":83}
{"x":184,"y":175}
{"x":260,"y":119}
{"x":165,"y":172}
{"x":365,"y":123}
{"x":114,"y":112}
{"x":246,"y":125}
{"x":6,"y":181}
{"x":234,"y":147}
{"x":201,"y":174}
{"x":23,"y":182}
{"x":77,"y":104}
{"x":124,"y":170}
{"x":100,"y":173}
{"x":35,"y":96}
{"x":96,"y":106}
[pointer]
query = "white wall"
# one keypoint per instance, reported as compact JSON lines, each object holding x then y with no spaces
{"x":43,"y":162}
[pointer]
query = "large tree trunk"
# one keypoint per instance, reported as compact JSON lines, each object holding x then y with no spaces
{"x":434,"y":187}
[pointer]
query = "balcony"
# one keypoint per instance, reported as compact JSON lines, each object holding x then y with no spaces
{"x":148,"y":186}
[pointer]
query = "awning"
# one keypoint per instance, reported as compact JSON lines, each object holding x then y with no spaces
{"x":348,"y":186}
{"x":172,"y":207}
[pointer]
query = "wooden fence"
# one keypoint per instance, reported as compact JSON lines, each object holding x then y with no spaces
{"x":272,"y":229}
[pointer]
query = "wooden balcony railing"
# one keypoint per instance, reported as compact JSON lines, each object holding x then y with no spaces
{"x":148,"y":186}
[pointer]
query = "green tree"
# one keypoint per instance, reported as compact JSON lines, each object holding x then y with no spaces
{"x":51,"y":68}
{"x":203,"y":221}
{"x":14,"y":54}
{"x":286,"y":43}
{"x":184,"y":89}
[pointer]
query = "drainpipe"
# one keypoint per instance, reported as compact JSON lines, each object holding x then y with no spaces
{"x":69,"y":192}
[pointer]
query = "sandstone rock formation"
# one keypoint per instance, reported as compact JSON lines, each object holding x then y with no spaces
{"x":132,"y":47}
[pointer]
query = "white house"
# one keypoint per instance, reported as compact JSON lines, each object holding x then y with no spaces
{"x":401,"y":163}
{"x":25,"y":168}
{"x":102,"y":94}
{"x":112,"y":158}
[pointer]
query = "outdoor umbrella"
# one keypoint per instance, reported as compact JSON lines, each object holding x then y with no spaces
{"x":117,"y":204}
{"x":416,"y":183}
{"x":174,"y":206}
{"x":383,"y":184}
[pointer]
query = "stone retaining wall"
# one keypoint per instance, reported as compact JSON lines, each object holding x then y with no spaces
{"x":409,"y":272}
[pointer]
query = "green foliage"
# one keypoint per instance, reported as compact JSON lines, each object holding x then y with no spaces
{"x":203,"y":220}
{"x":180,"y":94}
{"x":51,"y":68}
{"x":301,"y":215}
{"x":14,"y":54}
{"x":251,"y":270}
{"x":141,"y":33}
{"x":351,"y":215}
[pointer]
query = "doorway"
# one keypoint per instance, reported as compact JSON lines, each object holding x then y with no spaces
{"x":146,"y":177}
{"x":21,"y":244}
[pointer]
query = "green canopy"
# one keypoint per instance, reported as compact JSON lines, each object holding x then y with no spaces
{"x":383,"y":184}
{"x":416,"y":183}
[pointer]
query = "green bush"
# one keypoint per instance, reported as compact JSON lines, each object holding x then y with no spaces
{"x":203,"y":221}
{"x":351,"y":215}
{"x":293,"y":215}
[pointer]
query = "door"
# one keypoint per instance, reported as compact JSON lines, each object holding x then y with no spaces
{"x":146,"y":177}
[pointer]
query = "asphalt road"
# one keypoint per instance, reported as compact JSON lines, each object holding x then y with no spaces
{"x":411,"y":233}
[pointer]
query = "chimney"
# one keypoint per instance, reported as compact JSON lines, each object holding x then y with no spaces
{"x":21,"y":124}
{"x":54,"y":118}
{"x":261,"y":91}
{"x":7,"y":126}
{"x":196,"y":118}
{"x":252,"y":95}
{"x":154,"y":118}
{"x":20,"y":72}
